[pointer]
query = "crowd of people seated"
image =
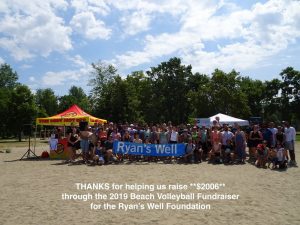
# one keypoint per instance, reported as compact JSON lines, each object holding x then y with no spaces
{"x":268,"y":146}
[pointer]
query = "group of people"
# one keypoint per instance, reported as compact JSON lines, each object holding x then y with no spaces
{"x":217,"y":144}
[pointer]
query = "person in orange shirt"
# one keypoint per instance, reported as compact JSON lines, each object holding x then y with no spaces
{"x":102,"y":134}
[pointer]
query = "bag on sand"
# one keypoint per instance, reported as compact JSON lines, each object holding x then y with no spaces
{"x":45,"y":155}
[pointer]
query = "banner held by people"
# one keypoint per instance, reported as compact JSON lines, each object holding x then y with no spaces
{"x":129,"y":148}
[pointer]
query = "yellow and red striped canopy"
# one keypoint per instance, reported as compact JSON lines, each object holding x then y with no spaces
{"x":73,"y":115}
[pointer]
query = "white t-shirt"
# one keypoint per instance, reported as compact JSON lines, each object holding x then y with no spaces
{"x":290,"y":134}
{"x":174,"y":135}
{"x":280,"y":154}
{"x":226,"y":135}
{"x":53,"y":144}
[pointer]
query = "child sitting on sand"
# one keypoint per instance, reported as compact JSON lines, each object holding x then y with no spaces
{"x":98,"y":154}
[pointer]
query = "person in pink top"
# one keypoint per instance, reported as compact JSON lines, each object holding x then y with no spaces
{"x":215,"y":137}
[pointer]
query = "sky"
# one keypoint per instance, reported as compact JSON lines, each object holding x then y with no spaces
{"x":52,"y":43}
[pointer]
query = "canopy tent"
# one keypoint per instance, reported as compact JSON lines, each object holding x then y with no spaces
{"x":225,"y":119}
{"x":73,"y":115}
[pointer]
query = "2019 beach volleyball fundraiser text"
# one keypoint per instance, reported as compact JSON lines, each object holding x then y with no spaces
{"x":141,"y":196}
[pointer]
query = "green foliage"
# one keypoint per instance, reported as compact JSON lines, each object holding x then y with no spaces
{"x":46,"y":102}
{"x":76,"y":96}
{"x":254,"y":91}
{"x":8,"y":78}
{"x":171,"y":92}
{"x":227,"y":95}
{"x":290,"y":91}
{"x":8,"y":81}
{"x":22,"y":109}
{"x":168,"y":92}
{"x":102,"y":78}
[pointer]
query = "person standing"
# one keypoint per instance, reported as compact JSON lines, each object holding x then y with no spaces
{"x":280,"y":136}
{"x":173,"y":136}
{"x":203,"y":135}
{"x":290,"y":138}
{"x":163,"y":135}
{"x":73,"y":142}
{"x":240,"y":144}
{"x":255,"y":138}
{"x":215,"y":138}
{"x":226,"y":136}
{"x":267,"y":134}
{"x":274,"y":131}
{"x":84,"y":143}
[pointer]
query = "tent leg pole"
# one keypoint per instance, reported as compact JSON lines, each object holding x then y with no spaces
{"x":35,"y":138}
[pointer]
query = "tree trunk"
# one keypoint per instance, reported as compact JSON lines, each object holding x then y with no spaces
{"x":20,"y":136}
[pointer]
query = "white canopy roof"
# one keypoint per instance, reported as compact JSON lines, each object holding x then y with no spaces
{"x":228,"y":120}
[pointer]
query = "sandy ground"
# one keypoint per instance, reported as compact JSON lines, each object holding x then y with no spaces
{"x":30,"y":192}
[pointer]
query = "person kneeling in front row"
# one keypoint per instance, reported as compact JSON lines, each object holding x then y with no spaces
{"x":189,"y":151}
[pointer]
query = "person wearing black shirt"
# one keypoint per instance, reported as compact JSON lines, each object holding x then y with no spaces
{"x":108,"y":150}
{"x":73,"y":142}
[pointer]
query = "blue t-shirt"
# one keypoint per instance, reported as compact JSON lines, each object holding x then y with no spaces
{"x":98,"y":152}
{"x":267,"y":136}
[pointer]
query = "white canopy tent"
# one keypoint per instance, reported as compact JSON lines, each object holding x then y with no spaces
{"x":228,"y":120}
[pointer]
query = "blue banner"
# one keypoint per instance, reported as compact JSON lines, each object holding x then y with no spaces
{"x":130,"y":148}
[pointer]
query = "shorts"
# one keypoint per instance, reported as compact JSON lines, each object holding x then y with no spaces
{"x":84,"y":145}
{"x":289,"y":145}
{"x":216,"y":146}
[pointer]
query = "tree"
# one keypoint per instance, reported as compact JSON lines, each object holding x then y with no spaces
{"x":227,"y":96}
{"x":272,"y":101}
{"x":5,"y":100}
{"x":290,"y":93}
{"x":199,"y":96}
{"x":8,"y":81}
{"x":169,"y":91}
{"x":101,"y":76}
{"x":8,"y":78}
{"x":136,"y":90}
{"x":118,"y":100}
{"x":46,"y":102}
{"x":76,"y":96}
{"x":22,"y":109}
{"x":254,"y":91}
